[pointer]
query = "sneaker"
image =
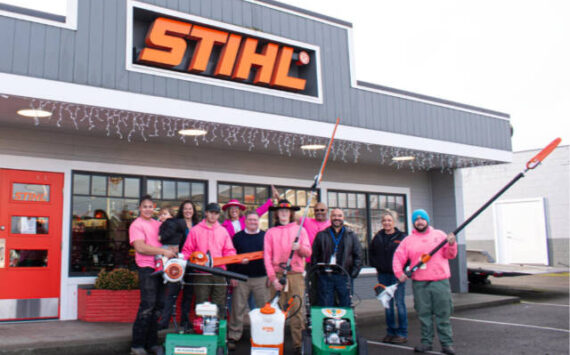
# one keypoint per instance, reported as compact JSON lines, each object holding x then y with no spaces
{"x":388,"y":338}
{"x":399,"y":340}
{"x":422,"y":348}
{"x":139,"y":351}
{"x":157,"y":350}
{"x":448,"y":350}
{"x":232,"y":345}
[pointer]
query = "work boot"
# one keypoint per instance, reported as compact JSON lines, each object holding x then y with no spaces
{"x":422,"y":348}
{"x":388,"y":338}
{"x":448,"y":349}
{"x":399,"y":340}
{"x":139,"y":351}
{"x":157,"y":350}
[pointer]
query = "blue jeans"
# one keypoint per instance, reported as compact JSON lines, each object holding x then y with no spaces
{"x":145,"y":328}
{"x":402,"y":328}
{"x":328,"y":284}
{"x":172,"y":291}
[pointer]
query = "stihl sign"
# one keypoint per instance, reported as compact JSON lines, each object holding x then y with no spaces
{"x":190,"y":47}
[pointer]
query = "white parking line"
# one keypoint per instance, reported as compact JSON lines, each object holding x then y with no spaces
{"x":547,"y":304}
{"x":398,"y":346}
{"x":511,"y":324}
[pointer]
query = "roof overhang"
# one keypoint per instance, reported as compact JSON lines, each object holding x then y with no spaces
{"x":133,"y":116}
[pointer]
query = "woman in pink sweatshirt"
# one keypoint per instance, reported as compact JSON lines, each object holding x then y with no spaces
{"x":235,"y":221}
{"x":279,"y":241}
{"x":432,"y":295}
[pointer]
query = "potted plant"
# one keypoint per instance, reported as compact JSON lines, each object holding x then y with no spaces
{"x":115,"y":297}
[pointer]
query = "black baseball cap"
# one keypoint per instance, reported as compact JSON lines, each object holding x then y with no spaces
{"x":213,"y":207}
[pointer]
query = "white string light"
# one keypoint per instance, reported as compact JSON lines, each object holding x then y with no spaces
{"x":134,"y":126}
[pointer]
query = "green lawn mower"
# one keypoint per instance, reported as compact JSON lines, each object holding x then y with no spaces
{"x":331,"y":330}
{"x":208,"y":333}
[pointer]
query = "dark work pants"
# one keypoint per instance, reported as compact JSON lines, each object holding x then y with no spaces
{"x":145,"y":328}
{"x":172,"y":291}
{"x":329,"y":283}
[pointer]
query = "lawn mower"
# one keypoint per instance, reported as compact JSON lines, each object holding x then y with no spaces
{"x":208,"y":334}
{"x":331,"y":330}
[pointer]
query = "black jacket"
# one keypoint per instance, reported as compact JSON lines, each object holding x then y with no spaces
{"x":349,"y":252}
{"x":382,"y":248}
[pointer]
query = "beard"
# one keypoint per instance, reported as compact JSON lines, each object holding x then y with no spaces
{"x":421,"y":229}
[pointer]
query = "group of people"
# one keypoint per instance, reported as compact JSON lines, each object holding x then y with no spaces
{"x":319,"y":240}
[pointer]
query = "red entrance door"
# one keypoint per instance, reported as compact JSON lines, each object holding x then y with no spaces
{"x":30,"y":244}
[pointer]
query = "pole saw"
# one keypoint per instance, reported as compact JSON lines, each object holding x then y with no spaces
{"x":388,"y":291}
{"x":314,"y":187}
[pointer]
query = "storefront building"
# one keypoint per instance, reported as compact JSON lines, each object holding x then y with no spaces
{"x":252,"y":82}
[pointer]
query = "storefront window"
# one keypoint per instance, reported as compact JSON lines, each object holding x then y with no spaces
{"x":104,"y":207}
{"x":253,"y":196}
{"x":363,"y":212}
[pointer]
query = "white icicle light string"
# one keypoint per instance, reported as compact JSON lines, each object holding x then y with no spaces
{"x":134,"y":125}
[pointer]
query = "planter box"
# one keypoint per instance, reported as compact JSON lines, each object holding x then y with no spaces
{"x":107,"y":305}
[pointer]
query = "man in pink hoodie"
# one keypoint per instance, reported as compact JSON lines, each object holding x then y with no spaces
{"x":432,"y":295}
{"x":279,"y":241}
{"x":210,"y":236}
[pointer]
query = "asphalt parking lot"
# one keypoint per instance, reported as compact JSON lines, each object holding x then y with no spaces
{"x":537,"y":325}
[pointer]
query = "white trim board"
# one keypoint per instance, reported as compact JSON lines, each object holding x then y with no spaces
{"x":212,"y":80}
{"x":70,"y":16}
{"x":12,"y":84}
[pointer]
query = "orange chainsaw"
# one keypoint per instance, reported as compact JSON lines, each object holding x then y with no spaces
{"x":205,"y":259}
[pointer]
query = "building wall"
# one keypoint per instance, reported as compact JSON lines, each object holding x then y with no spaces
{"x":550,"y":180}
{"x":94,"y":55}
{"x":59,"y":151}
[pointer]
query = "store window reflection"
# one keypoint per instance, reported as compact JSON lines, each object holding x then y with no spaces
{"x":104,"y":207}
{"x":363,"y":211}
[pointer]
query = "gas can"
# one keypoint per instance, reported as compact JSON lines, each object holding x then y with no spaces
{"x":267,"y":329}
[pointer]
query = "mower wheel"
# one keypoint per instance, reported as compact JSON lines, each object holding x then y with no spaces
{"x":362,"y":346}
{"x":307,"y":348}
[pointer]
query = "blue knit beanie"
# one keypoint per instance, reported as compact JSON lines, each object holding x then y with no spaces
{"x":420,"y":213}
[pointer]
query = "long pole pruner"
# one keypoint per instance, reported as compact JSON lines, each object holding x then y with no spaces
{"x":314,"y":187}
{"x":535,"y":161}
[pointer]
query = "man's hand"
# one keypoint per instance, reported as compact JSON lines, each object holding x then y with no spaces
{"x":402,"y":278}
{"x":168,"y":253}
{"x":277,"y":285}
{"x":451,"y":238}
{"x":295,"y":246}
{"x":234,"y":283}
{"x":245,"y":261}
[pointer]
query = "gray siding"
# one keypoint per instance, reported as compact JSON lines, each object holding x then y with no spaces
{"x":95,"y":55}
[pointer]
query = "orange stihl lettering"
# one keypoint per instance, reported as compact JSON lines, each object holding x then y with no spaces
{"x":207,"y":38}
{"x":165,"y":43}
{"x":281,"y":76}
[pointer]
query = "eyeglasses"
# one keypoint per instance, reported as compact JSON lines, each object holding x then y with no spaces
{"x":320,"y":210}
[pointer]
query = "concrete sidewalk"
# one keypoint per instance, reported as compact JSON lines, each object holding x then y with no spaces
{"x":78,"y":338}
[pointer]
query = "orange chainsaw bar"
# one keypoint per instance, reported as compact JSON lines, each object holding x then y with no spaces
{"x":200,"y":258}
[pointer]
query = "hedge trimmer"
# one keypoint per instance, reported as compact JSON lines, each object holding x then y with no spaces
{"x":388,"y":291}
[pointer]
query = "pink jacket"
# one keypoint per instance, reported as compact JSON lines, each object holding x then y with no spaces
{"x":312,"y":226}
{"x":214,"y":239}
{"x":261,"y":210}
{"x":417,"y":244}
{"x":277,"y":247}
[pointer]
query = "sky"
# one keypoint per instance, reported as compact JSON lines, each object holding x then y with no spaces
{"x":511,"y":56}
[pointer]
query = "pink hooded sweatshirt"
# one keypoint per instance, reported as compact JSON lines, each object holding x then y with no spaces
{"x":204,"y":238}
{"x":417,"y":244}
{"x":261,"y":210}
{"x":277,"y":247}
